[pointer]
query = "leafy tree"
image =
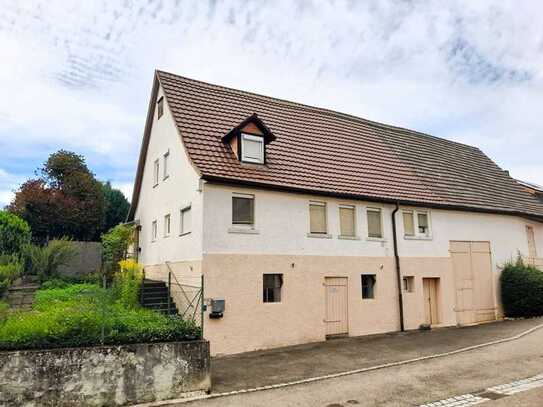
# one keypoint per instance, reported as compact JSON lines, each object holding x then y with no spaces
{"x":116,"y":206}
{"x":65,"y":200}
{"x":14,"y":233}
{"x":115,"y":246}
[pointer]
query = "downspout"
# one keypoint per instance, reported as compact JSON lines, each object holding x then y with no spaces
{"x":398,"y":268}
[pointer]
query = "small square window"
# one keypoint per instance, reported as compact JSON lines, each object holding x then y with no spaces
{"x":156,"y":172}
{"x":252,"y":148}
{"x":243,"y":210}
{"x":167,"y":225}
{"x":368,"y":286}
{"x":409,"y":284}
{"x":160,"y":107}
{"x":375,"y":226}
{"x":272,"y":287}
{"x":165,"y":168}
{"x":185,"y":225}
{"x":154,"y":231}
{"x":317,"y":217}
{"x":347,"y":221}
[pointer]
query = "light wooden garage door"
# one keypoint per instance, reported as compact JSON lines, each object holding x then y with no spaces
{"x":336,"y":318}
{"x":474,"y":282}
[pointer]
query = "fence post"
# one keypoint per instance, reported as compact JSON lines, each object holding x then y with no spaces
{"x":202,"y":306}
{"x":169,"y":291}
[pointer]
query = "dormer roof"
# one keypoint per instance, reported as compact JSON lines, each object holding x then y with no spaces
{"x":246,"y":125}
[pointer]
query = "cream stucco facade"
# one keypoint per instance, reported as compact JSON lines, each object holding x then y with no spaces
{"x":233,"y":260}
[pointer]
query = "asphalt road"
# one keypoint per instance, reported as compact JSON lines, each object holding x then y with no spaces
{"x":413,"y":384}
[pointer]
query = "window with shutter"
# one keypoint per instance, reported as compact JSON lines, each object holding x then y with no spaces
{"x":317,"y":218}
{"x":347,"y":221}
{"x":423,"y":224}
{"x":252,"y":148}
{"x":375,"y":228}
{"x":243,"y":210}
{"x":408,"y":224}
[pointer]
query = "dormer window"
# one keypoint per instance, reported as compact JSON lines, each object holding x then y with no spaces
{"x":248,"y":140}
{"x":252,"y":148}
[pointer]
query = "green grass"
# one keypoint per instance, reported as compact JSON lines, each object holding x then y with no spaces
{"x":78,"y":314}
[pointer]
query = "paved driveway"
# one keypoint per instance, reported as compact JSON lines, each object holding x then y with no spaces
{"x":255,"y":369}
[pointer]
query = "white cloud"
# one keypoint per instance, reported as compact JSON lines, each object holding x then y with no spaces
{"x":79,"y":75}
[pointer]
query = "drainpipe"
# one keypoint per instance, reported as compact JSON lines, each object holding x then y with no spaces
{"x":397,"y":261}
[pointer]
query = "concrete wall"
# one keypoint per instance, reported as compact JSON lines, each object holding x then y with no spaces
{"x":109,"y":375}
{"x":180,"y":189}
{"x":87,"y":261}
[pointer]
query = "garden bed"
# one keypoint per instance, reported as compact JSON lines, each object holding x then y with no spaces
{"x":88,"y":315}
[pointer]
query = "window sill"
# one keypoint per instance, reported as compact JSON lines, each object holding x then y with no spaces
{"x":341,"y":237}
{"x":165,"y":178}
{"x":376,"y":239}
{"x":184,"y":233}
{"x":155,"y":185}
{"x":417,"y":237}
{"x":243,"y":231}
{"x":320,"y":235}
{"x":165,"y":236}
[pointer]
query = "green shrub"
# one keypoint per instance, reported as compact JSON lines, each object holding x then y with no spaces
{"x":115,"y":244}
{"x":14,"y":233}
{"x":9,"y":271}
{"x":44,"y":261}
{"x":127,"y":283}
{"x":521,"y":290}
{"x":77,"y":315}
{"x":4,"y":311}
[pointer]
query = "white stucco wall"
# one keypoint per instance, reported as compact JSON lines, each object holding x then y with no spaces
{"x":181,"y":188}
{"x":282,"y":223}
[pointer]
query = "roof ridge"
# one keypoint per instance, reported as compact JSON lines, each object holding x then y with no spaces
{"x":328,"y":111}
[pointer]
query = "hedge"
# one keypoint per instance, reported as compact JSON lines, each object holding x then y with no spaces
{"x":521,"y":290}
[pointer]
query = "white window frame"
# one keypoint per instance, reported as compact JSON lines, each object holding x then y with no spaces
{"x":380,"y":211}
{"x":418,"y":236}
{"x":166,"y":159}
{"x":156,"y":172}
{"x":250,"y":137}
{"x":154,"y":231}
{"x":167,"y":225}
{"x":243,"y":228}
{"x":183,"y":230}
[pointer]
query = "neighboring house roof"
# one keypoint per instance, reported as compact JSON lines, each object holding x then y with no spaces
{"x":325,"y":152}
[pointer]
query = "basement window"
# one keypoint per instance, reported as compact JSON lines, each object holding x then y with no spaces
{"x":368,"y":286}
{"x":272,"y":287}
{"x":160,"y":107}
{"x":409,"y":284}
{"x":252,"y":148}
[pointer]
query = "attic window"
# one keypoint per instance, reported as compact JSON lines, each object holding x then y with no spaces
{"x":252,"y":148}
{"x":160,"y":107}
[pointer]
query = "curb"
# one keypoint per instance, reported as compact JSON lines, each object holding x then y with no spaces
{"x":340,"y":374}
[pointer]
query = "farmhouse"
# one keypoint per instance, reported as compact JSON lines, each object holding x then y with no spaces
{"x":311,"y":223}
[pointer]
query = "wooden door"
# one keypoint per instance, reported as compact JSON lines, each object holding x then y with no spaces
{"x":431,"y":308}
{"x":336,"y":299}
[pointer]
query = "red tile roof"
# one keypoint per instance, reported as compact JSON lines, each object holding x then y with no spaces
{"x":326,"y":152}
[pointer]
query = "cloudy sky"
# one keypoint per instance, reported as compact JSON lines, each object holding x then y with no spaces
{"x":77,"y":75}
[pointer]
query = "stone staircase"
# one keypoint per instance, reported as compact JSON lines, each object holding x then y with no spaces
{"x":155,"y":296}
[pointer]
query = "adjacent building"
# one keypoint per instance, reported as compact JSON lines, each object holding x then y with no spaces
{"x":311,"y":223}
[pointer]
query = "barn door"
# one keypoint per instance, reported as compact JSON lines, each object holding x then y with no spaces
{"x":336,"y":318}
{"x":474,"y":282}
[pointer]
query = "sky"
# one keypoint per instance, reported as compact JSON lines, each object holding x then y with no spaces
{"x":77,"y":75}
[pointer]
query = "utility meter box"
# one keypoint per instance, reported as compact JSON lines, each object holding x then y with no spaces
{"x":217,"y":308}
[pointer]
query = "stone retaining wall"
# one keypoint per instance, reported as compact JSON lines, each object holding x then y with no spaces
{"x":104,"y":376}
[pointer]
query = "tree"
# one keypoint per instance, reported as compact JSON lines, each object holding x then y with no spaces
{"x":64,"y":200}
{"x":14,"y":233}
{"x":116,"y":206}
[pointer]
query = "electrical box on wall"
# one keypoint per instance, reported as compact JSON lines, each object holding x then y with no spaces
{"x":217,"y":308}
